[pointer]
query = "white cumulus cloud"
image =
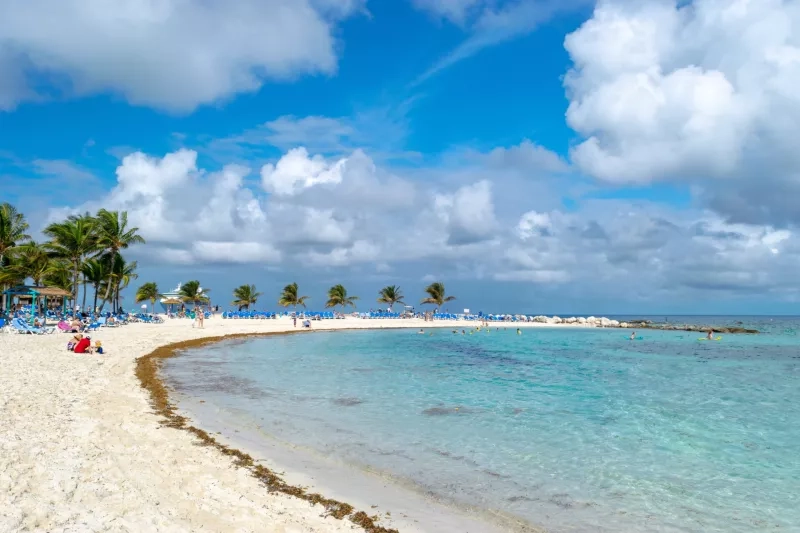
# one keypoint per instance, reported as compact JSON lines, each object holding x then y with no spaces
{"x":669,"y":90}
{"x":169,"y":54}
{"x":297,"y":170}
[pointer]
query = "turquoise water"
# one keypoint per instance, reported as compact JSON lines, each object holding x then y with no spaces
{"x":570,"y":429}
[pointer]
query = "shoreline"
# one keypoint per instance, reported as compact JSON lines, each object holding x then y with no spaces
{"x":81,"y":443}
{"x":148,"y":372}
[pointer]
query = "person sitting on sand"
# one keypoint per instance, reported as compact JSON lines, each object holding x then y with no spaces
{"x":84,"y":345}
{"x":73,"y":341}
{"x":76,"y":326}
{"x":98,"y":347}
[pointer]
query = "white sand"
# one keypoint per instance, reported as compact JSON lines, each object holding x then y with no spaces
{"x":82,"y":450}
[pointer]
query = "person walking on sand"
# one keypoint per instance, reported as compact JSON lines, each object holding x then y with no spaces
{"x":200,"y":315}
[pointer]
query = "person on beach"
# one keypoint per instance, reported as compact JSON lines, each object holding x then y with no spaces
{"x":84,"y":345}
{"x":294,"y":320}
{"x":76,"y":326}
{"x":98,"y":347}
{"x":198,"y":318}
{"x":73,"y":342}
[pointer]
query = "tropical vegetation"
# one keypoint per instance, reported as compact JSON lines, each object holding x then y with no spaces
{"x":192,"y":292}
{"x":82,"y":251}
{"x":85,"y":252}
{"x":148,"y":292}
{"x":337,"y":296}
{"x":289,"y":297}
{"x":436,"y":295}
{"x":245,"y":296}
{"x":391,"y":295}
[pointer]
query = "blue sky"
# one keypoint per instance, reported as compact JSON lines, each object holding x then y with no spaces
{"x":537,"y":156}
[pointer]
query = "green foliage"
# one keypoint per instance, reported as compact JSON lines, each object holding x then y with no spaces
{"x":245,"y":296}
{"x":148,"y":292}
{"x":112,"y":235}
{"x":289,"y":297}
{"x":391,"y":295}
{"x":436,"y":295}
{"x":13,"y":228}
{"x":72,"y":240}
{"x":193,"y":292}
{"x":337,"y":296}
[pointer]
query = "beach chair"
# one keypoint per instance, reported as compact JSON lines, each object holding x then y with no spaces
{"x":21,"y":327}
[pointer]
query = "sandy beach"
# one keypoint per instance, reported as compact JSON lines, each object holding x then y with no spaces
{"x":83,"y":449}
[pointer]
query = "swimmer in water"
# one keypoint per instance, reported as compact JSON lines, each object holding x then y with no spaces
{"x":710,"y":334}
{"x":633,"y":335}
{"x":519,"y":332}
{"x":421,"y":332}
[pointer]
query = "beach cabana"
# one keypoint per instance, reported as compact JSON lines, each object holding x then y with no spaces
{"x":170,"y":302}
{"x":36,"y":295}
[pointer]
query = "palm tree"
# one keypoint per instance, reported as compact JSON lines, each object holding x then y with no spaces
{"x":72,"y":240}
{"x":33,"y":261}
{"x":289,"y":297}
{"x":114,"y":235}
{"x":191,"y":291}
{"x":11,"y":272}
{"x":59,"y":275}
{"x":96,"y":272}
{"x":245,"y":295}
{"x":122,"y":273}
{"x":13,"y":228}
{"x":148,"y":291}
{"x":337,"y":295}
{"x":436,"y":295}
{"x":391,"y":295}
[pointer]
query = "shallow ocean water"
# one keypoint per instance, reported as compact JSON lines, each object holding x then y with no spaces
{"x":570,"y":429}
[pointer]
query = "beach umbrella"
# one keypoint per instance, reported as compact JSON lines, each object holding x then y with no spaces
{"x":170,"y":302}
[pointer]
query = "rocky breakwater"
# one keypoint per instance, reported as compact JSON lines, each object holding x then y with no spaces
{"x":603,"y":322}
{"x":699,"y":328}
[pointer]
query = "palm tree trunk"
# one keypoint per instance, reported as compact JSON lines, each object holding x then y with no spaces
{"x":84,"y":294}
{"x":96,"y":290}
{"x":77,"y":268}
{"x":112,"y":256}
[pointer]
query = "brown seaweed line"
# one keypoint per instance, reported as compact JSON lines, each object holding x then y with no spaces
{"x":147,"y":370}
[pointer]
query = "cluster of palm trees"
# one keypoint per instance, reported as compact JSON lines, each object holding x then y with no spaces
{"x":82,"y":251}
{"x":191,"y":292}
{"x":247,"y":295}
